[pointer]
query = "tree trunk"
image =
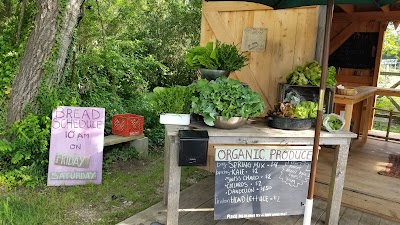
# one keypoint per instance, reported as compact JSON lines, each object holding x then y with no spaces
{"x":37,"y":50}
{"x":72,"y":14}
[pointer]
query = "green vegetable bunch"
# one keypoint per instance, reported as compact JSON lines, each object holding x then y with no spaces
{"x":177,"y":99}
{"x":225,"y":97}
{"x":303,"y":110}
{"x":306,"y":109}
{"x":311,"y":74}
{"x":334,"y":123}
{"x":222,"y":57}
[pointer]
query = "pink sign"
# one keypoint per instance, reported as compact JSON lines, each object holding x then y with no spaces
{"x":76,"y":146}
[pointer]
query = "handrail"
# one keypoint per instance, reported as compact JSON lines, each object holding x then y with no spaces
{"x":391,"y":112}
{"x":389,"y":73}
{"x":388,"y":92}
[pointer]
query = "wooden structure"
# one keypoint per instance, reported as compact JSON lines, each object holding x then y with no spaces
{"x":290,"y":42}
{"x":255,"y":134}
{"x":364,"y":93}
{"x":358,"y":19}
{"x":139,"y":142}
{"x":364,"y":188}
{"x":358,"y":32}
{"x":371,"y":158}
{"x":294,"y":38}
{"x":365,"y":96}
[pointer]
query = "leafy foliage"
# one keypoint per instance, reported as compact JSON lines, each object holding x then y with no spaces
{"x":302,"y":110}
{"x":120,"y":50}
{"x":225,"y":97}
{"x":221,"y":57}
{"x":25,"y":159}
{"x":177,"y":99}
{"x":306,"y":109}
{"x":310,"y":74}
{"x":335,"y":123}
{"x":10,"y":51}
{"x":391,"y":43}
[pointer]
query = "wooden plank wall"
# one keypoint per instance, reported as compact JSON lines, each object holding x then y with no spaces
{"x":291,"y":39}
{"x":341,"y":31}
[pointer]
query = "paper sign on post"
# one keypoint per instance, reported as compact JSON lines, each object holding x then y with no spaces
{"x":76,"y":146}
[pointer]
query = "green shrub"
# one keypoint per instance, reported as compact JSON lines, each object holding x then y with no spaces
{"x":25,"y":159}
{"x":177,"y":99}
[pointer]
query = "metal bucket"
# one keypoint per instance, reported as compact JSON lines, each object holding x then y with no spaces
{"x":286,"y":123}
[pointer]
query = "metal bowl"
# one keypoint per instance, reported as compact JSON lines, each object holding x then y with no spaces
{"x":286,"y":123}
{"x":232,"y":123}
{"x":210,"y":74}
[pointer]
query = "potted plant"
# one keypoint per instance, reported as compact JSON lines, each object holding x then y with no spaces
{"x":214,"y":61}
{"x":173,"y":104}
{"x":225,"y":103}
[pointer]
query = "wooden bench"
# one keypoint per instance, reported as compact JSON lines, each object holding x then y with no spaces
{"x":141,"y":143}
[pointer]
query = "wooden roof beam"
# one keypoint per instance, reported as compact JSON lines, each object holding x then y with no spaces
{"x":385,"y":8}
{"x":337,"y":41}
{"x":349,"y":9}
{"x":367,"y":16}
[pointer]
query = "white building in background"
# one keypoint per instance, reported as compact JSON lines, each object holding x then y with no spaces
{"x":389,"y":64}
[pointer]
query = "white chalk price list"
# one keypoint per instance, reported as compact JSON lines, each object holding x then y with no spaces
{"x":260,"y":182}
{"x":243,"y":179}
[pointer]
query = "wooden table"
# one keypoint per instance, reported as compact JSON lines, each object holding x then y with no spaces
{"x":256,"y":134}
{"x":364,"y":94}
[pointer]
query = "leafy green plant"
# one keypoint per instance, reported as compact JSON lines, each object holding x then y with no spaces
{"x":306,"y":109}
{"x":221,"y":57}
{"x":24,"y":160}
{"x":332,"y":122}
{"x":175,"y":99}
{"x":302,"y":110}
{"x":335,"y":123}
{"x":225,"y":97}
{"x":310,"y":74}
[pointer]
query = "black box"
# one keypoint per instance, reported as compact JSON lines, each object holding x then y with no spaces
{"x":193,"y":147}
{"x":309,"y":93}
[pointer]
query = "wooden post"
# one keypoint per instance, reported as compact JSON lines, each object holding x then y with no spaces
{"x":389,"y":125}
{"x":174,"y":177}
{"x":320,"y":33}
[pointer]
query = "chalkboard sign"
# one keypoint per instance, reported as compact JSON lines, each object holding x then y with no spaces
{"x":261,"y":181}
{"x":357,"y":52}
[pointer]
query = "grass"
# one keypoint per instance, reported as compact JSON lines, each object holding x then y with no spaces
{"x":128,"y":187}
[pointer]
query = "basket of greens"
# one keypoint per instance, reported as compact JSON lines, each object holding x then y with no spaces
{"x":332,"y":122}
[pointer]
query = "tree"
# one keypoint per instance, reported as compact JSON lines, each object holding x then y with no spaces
{"x":391,"y":43}
{"x":38,"y":51}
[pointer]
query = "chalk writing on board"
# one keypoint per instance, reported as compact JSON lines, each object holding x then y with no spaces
{"x":249,"y":181}
{"x":294,"y":174}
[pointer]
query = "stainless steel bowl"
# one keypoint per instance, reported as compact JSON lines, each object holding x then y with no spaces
{"x":210,"y":74}
{"x":232,"y":123}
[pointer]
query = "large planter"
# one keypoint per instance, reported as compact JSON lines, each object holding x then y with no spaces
{"x":210,"y":74}
{"x":176,"y":119}
{"x":286,"y":123}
